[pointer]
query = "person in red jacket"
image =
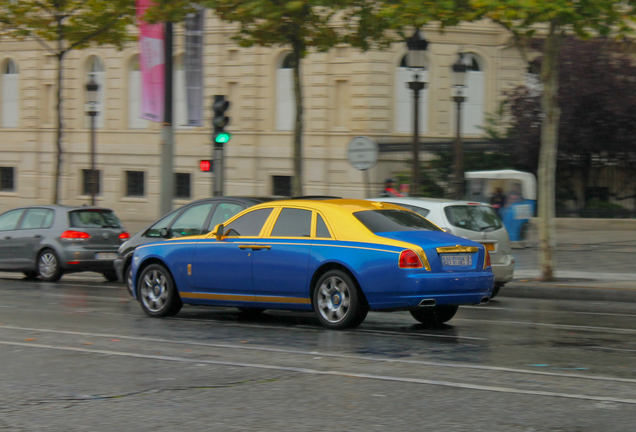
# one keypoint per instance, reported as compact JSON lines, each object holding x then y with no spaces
{"x":389,"y":189}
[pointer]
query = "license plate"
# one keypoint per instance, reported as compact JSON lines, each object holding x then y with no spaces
{"x":105,"y":256}
{"x":457,"y":260}
{"x":489,"y":246}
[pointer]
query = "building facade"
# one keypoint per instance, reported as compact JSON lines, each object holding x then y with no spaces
{"x":347,"y":93}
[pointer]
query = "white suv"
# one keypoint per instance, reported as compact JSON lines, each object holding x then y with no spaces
{"x":472,"y":220}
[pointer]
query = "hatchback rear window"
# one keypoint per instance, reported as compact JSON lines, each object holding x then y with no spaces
{"x":93,"y":219}
{"x":473,"y":217}
{"x":378,"y":221}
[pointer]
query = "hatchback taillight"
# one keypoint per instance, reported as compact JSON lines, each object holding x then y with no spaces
{"x":409,"y":259}
{"x":124,"y":236}
{"x":71,"y":235}
{"x":487,"y":260}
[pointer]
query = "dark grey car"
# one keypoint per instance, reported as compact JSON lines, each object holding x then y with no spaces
{"x":50,"y":240}
{"x":195,"y":218}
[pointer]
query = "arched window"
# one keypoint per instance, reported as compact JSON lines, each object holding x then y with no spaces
{"x":285,"y":99}
{"x":404,"y":99}
{"x":10,"y":94}
{"x":95,"y":68}
{"x":180,"y":103}
{"x":134,"y":95}
{"x":473,"y":108}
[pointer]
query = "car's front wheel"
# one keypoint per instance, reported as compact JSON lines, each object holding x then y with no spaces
{"x":337,"y":302}
{"x":49,"y":266}
{"x":157,"y":293}
{"x":435,"y":315}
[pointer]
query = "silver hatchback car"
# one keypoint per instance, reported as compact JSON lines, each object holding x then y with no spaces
{"x":472,"y":220}
{"x":47,"y":241}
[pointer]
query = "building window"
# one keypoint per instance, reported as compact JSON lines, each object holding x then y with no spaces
{"x":10,"y":99}
{"x":95,"y":68}
{"x":182,"y":185}
{"x":135,"y":183}
{"x":134,"y":95}
{"x":473,"y":108}
{"x":7,"y":179}
{"x":285,"y":100}
{"x":281,"y":186}
{"x":404,"y":99}
{"x":87,"y":181}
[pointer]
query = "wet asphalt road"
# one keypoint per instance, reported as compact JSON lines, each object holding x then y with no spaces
{"x":80,"y":355}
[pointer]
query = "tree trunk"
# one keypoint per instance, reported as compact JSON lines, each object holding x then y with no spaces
{"x":548,"y":154}
{"x":58,"y":134}
{"x":297,"y":181}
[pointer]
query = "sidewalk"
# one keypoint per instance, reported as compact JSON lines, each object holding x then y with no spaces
{"x":590,"y":264}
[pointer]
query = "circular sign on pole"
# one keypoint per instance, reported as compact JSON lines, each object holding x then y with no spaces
{"x":362,"y":153}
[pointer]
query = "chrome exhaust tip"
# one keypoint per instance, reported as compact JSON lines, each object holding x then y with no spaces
{"x":484,"y":300}
{"x":427,"y":303}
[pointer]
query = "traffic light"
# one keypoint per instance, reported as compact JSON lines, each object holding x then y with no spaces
{"x":220,"y":120}
{"x":205,"y":165}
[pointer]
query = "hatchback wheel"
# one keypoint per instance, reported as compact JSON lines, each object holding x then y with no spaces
{"x":435,"y":315}
{"x":157,"y":293}
{"x":130,"y":286}
{"x":110,"y":275}
{"x":337,"y":302}
{"x":49,"y":266}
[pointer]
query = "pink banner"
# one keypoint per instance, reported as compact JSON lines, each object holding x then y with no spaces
{"x":153,"y":64}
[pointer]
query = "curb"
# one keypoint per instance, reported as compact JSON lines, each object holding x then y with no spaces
{"x":556,"y":291}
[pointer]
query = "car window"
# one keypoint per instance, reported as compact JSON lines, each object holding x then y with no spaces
{"x":9,"y":220}
{"x":292,"y":223}
{"x":250,"y":224}
{"x":93,"y":218}
{"x":191,"y":221}
{"x":223,"y":212}
{"x":419,"y":210}
{"x":393,"y":220}
{"x":321,"y":228}
{"x":37,"y":218}
{"x":473,"y":217}
{"x":155,"y":230}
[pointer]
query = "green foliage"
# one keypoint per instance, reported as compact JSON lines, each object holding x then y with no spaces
{"x":76,"y":23}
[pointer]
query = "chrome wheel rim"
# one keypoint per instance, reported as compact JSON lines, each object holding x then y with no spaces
{"x":154,"y":291}
{"x":48,"y":265}
{"x":334,"y":299}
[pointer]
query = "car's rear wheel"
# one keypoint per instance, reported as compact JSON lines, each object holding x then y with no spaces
{"x":495,"y":290}
{"x":157,"y":293}
{"x":337,"y":302}
{"x":110,"y":275}
{"x":49,"y":266}
{"x":435,"y":315}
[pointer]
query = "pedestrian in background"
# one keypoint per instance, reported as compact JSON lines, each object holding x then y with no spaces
{"x":389,"y":189}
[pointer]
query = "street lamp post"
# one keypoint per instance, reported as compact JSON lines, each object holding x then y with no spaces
{"x":91,"y":95}
{"x":459,"y":69}
{"x":415,"y":59}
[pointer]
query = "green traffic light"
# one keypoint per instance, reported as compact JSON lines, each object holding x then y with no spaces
{"x":222,"y":138}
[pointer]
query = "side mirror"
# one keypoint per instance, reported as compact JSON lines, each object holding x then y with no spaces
{"x":163,"y":232}
{"x":218,"y":232}
{"x":447,"y":230}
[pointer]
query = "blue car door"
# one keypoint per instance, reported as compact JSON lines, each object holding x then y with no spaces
{"x":281,"y":261}
{"x":222,"y":269}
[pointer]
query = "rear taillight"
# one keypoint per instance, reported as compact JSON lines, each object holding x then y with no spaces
{"x":487,"y":260}
{"x":409,"y":259}
{"x":124,"y":236}
{"x":71,"y":235}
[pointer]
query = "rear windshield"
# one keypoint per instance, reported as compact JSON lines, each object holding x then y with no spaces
{"x":378,"y":221}
{"x":473,"y":217}
{"x":93,"y":219}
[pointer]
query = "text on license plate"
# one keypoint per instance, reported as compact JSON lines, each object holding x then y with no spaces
{"x":105,"y":256}
{"x":457,"y":259}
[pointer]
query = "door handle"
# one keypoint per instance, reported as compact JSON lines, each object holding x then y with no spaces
{"x":7,"y":238}
{"x":37,"y":236}
{"x":254,"y":247}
